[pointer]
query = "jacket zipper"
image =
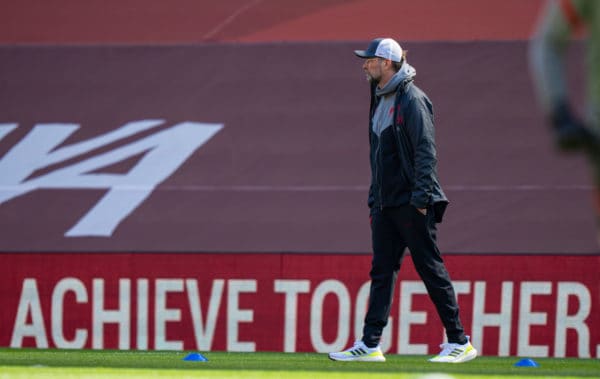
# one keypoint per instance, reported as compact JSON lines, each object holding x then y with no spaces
{"x":377,"y":164}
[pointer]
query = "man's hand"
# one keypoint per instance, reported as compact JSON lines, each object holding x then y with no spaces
{"x":423,"y":211}
{"x":570,"y":132}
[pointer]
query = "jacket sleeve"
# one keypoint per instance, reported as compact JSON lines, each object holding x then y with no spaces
{"x":546,"y":56}
{"x":419,"y":124}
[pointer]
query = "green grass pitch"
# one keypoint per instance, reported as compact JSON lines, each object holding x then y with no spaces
{"x":40,"y":363}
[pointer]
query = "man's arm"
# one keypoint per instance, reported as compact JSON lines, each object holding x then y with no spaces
{"x":419,"y":123}
{"x":546,"y":55}
{"x":546,"y":58}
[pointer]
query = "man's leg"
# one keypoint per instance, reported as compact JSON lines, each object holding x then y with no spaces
{"x":419,"y":232}
{"x":387,"y":255}
{"x":388,"y":249}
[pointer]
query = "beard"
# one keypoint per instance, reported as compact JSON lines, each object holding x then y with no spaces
{"x":371,"y":79}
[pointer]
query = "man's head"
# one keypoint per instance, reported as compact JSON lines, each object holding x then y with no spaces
{"x":383,"y":58}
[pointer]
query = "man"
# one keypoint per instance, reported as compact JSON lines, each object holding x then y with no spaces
{"x":559,"y":21}
{"x":406,"y":201}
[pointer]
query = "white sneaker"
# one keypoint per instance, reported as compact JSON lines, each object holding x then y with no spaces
{"x":455,"y":353}
{"x":359,"y":352}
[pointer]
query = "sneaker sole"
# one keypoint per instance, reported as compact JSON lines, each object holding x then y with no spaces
{"x":361,"y":359}
{"x":467,"y":357}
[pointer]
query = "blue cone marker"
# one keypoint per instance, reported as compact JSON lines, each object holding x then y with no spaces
{"x":527,"y":362}
{"x":195,"y":357}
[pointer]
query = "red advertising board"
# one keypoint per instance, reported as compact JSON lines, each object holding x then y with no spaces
{"x":527,"y":305}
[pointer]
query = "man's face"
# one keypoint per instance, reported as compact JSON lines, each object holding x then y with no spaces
{"x":373,"y":69}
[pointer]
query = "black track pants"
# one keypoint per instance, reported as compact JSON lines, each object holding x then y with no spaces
{"x":394,"y":229}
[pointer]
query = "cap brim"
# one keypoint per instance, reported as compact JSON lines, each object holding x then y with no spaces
{"x":362,"y":54}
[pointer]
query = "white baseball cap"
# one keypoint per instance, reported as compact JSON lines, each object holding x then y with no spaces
{"x":385,"y":48}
